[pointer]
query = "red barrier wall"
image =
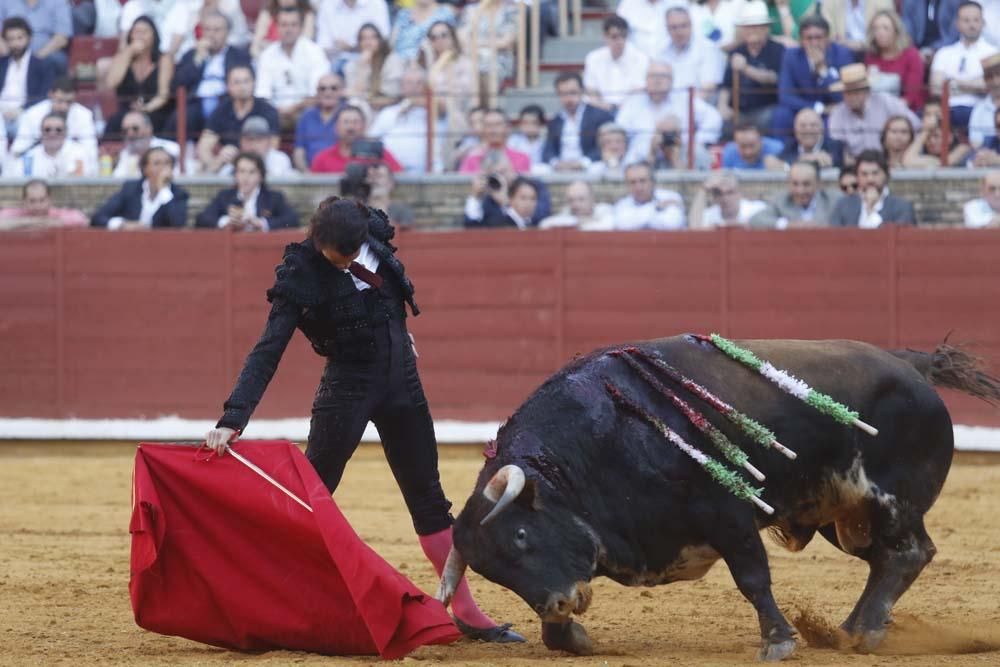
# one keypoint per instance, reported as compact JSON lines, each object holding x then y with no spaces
{"x":96,"y":324}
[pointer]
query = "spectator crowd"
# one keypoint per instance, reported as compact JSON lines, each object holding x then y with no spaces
{"x":259,"y":89}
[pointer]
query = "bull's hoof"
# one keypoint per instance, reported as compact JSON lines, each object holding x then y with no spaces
{"x":776,"y":650}
{"x":868,"y":641}
{"x":569,"y":637}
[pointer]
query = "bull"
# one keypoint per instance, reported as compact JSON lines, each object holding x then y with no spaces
{"x":579,"y":488}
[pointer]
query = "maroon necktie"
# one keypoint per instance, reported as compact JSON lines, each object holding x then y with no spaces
{"x":361,"y":273}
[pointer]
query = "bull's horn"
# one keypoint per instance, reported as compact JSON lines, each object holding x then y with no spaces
{"x":451,"y":575}
{"x":503,"y":489}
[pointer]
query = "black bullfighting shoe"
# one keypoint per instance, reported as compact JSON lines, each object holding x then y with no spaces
{"x":498,"y":634}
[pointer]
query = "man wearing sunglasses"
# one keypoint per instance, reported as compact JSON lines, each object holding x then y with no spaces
{"x":138,"y":130}
{"x":54,"y":156}
{"x":316,"y":129}
{"x":61,"y":99}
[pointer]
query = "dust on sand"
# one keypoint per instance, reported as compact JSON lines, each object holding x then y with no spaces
{"x":64,"y":550}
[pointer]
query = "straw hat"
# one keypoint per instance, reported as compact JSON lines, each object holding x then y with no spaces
{"x":753,"y":13}
{"x":852,"y":77}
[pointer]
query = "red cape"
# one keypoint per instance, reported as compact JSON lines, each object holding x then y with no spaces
{"x":222,"y":557}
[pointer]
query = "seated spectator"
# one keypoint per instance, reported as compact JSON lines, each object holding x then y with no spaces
{"x":3,"y":144}
{"x":581,"y":211}
{"x":961,"y":64}
{"x":615,"y":70}
{"x":858,"y":120}
{"x":807,"y":74}
{"x":450,"y":76}
{"x":250,"y":206}
{"x":985,"y":211}
{"x":749,"y":150}
{"x":488,"y":31}
{"x":338,"y":22}
{"x":809,"y":142}
{"x":504,"y":206}
{"x":925,"y":151}
{"x":981,"y":124}
{"x":847,"y":180}
{"x":640,"y":112}
{"x":54,"y":157}
{"x":152,"y":201}
{"x":473,"y":136}
{"x":530,"y":137}
{"x":646,"y":206}
{"x":495,"y":132}
{"x":258,"y":138}
{"x":803,"y":204}
{"x":36,"y":210}
{"x":612,"y":141}
{"x":184,"y":24}
{"x":849,"y":20}
{"x":375,"y":75}
{"x":930,"y":24}
{"x":756,"y":61}
{"x":894,"y":64}
{"x":24,"y":78}
{"x":138,"y":130}
{"x":872,"y":205}
{"x":897,"y":136}
{"x":571,"y":139}
{"x":696,"y":62}
{"x":988,"y":155}
{"x":412,"y":24}
{"x":726,"y":205}
{"x":62,"y":99}
{"x":140,"y":75}
{"x":715,"y":21}
{"x":218,"y":143}
{"x":51,"y":26}
{"x":383,"y":183}
{"x":403,"y":127}
{"x":317,"y":126}
{"x":645,"y":19}
{"x":203,"y":69}
{"x":289,"y":69}
{"x":266,"y":28}
{"x":669,"y":149}
{"x":351,"y":146}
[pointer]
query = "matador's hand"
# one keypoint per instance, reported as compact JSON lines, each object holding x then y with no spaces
{"x":218,"y":438}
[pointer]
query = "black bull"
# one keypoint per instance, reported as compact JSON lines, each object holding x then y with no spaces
{"x":580,"y":488}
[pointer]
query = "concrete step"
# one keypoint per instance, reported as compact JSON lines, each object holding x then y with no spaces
{"x":514,"y":99}
{"x":569,"y":49}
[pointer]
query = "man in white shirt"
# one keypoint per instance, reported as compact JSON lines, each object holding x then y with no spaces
{"x":616,"y":69}
{"x":179,"y":25}
{"x":289,"y":70}
{"x":338,"y":22}
{"x":983,"y":112}
{"x":961,"y":64}
{"x":581,"y":211}
{"x":641,"y":111}
{"x":62,"y":99}
{"x":402,"y":127}
{"x":697,"y":62}
{"x":647,"y":30}
{"x":54,"y":157}
{"x":728,"y":206}
{"x":985,"y":211}
{"x":138,"y":130}
{"x":647,"y":207}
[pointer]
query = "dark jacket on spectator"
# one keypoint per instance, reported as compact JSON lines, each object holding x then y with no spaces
{"x":835,"y":148}
{"x":592,"y":119}
{"x":914,"y":15}
{"x":189,"y":75}
{"x":40,"y":78}
{"x":895,"y":210}
{"x":493,"y":216}
{"x":127,"y":203}
{"x":271,"y":205}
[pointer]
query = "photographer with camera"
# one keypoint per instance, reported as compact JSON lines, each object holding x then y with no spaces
{"x":351,"y":146}
{"x":500,"y":204}
{"x":668,"y":148}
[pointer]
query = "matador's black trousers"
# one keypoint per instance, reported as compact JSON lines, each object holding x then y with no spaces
{"x":388,"y":393}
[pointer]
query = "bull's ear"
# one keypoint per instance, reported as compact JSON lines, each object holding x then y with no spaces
{"x":530,"y":498}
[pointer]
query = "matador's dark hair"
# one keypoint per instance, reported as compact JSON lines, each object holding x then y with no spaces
{"x":341,"y":224}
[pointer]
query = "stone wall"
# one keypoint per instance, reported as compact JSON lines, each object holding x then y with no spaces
{"x":937,"y":194}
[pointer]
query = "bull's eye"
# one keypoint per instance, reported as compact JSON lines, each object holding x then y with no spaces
{"x":521,"y":538}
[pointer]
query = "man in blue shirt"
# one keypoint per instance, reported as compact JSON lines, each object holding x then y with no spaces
{"x":749,"y":150}
{"x":51,"y":24}
{"x":807,"y":72}
{"x":317,"y":126}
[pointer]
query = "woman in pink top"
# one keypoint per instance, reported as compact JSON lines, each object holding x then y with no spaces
{"x":900,"y":69}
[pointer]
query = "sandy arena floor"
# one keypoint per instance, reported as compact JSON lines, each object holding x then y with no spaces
{"x":64,"y":549}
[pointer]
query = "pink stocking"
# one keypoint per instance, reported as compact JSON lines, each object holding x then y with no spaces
{"x":436,"y":548}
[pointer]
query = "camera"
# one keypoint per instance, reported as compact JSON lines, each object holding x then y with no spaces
{"x":669,"y":139}
{"x":494,"y":182}
{"x":371,"y":149}
{"x":354,"y":183}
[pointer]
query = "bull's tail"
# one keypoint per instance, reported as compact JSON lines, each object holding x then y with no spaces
{"x":950,"y":366}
